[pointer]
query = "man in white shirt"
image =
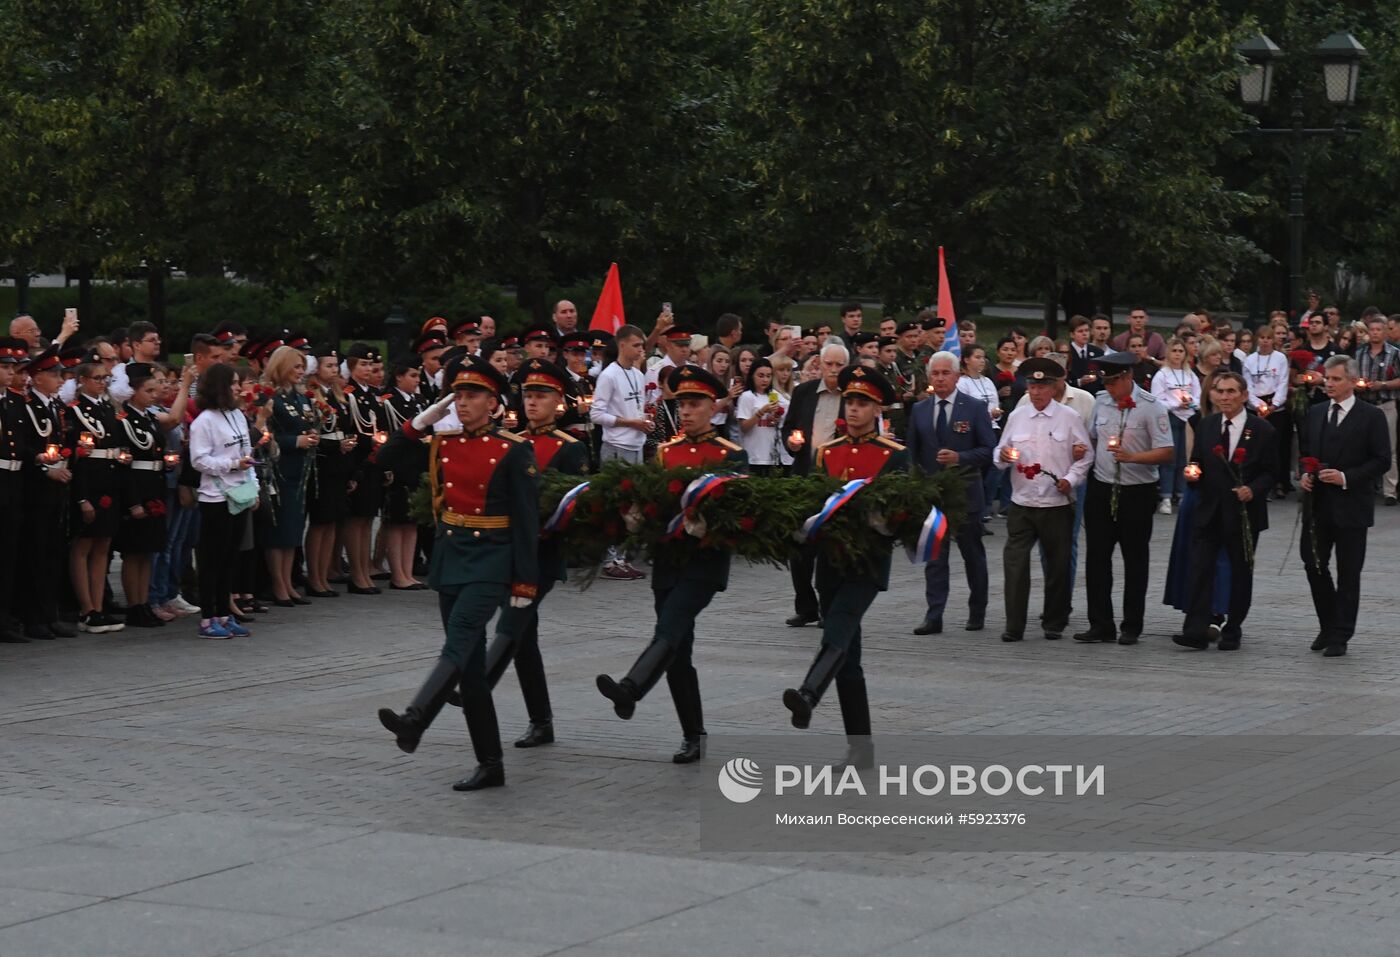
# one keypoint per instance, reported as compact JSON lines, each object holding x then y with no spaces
{"x":144,"y":339}
{"x":619,"y":407}
{"x":1041,"y":441}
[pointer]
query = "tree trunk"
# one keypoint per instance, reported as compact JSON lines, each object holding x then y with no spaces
{"x":1077,"y":299}
{"x":1050,"y":317}
{"x":1105,"y":305}
{"x":155,"y":297}
{"x":85,"y":307}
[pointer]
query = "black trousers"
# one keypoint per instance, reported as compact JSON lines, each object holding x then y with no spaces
{"x":1336,"y":603}
{"x":1284,"y":427}
{"x":803,"y":566}
{"x":1131,"y":534}
{"x":1206,"y":544}
{"x":42,"y":571}
{"x":220,"y":535}
{"x":522,"y":625}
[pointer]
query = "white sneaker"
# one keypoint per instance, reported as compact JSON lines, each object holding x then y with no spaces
{"x":181,"y":607}
{"x":1165,"y":508}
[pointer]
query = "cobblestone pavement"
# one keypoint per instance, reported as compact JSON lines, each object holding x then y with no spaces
{"x":164,"y":795}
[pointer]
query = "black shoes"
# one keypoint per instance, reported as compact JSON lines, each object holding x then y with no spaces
{"x":645,"y":673}
{"x":59,"y":629}
{"x":1091,"y":636}
{"x":1228,"y":644}
{"x":1053,"y":635}
{"x":357,"y":590}
{"x":491,"y":774}
{"x":1320,"y":643}
{"x":797,"y":621}
{"x":539,"y":732}
{"x":931,"y":626}
{"x":801,"y":701}
{"x":1334,"y":651}
{"x":38,"y":633}
{"x":1196,"y":640}
{"x":323,"y":594}
{"x":1129,"y":638}
{"x":1008,"y":636}
{"x":623,"y":694}
{"x":692,"y":749}
{"x":408,"y":727}
{"x":975,"y":623}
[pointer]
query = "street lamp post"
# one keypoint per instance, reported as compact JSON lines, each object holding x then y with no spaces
{"x":1340,"y":55}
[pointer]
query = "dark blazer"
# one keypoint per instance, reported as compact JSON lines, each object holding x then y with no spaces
{"x":1078,"y":368}
{"x":802,"y":409}
{"x":970,"y":434}
{"x":1361,"y":450}
{"x":1215,"y":500}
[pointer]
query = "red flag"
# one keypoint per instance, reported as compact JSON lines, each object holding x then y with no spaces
{"x":607,"y":317}
{"x":951,"y":343}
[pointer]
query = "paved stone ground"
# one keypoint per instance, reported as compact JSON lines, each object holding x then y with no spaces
{"x":163,"y":795}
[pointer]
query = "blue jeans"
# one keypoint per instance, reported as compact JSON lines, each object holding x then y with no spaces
{"x":168,"y":567}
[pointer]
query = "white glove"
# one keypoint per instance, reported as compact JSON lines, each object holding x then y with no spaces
{"x":518,"y":601}
{"x":434,"y":413}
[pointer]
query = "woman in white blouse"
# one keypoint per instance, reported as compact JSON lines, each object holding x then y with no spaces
{"x":1179,"y":390}
{"x":760,"y":412}
{"x":972,"y":382}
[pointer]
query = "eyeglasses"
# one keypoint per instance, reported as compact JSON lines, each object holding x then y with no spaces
{"x":98,"y":378}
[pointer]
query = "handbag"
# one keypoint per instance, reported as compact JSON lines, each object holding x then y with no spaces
{"x":240,"y":498}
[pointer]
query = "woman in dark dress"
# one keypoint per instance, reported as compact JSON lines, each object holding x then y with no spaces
{"x":408,"y":465}
{"x":365,"y":420}
{"x":96,"y":494}
{"x":141,"y":533}
{"x":328,"y":496}
{"x":296,"y":430}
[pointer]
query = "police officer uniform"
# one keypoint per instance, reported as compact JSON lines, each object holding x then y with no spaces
{"x":681,"y":589}
{"x":518,"y":629}
{"x":845,"y":595}
{"x":485,"y":494}
{"x":15,"y":450}
{"x":1138,"y":424}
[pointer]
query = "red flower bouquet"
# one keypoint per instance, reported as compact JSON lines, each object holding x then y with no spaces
{"x":104,"y":502}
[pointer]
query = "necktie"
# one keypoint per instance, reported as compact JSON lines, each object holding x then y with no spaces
{"x":941,"y":426}
{"x":1336,"y":415}
{"x":1225,"y":438}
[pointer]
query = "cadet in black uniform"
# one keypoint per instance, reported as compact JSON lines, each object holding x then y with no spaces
{"x":487,"y":500}
{"x":46,"y":479}
{"x":328,"y":497}
{"x":682,"y":589}
{"x":429,"y":348}
{"x":366,"y":423}
{"x":98,"y":452}
{"x":141,"y":532}
{"x":400,"y":405}
{"x":15,"y":450}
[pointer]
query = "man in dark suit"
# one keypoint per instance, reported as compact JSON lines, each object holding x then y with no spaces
{"x":1081,"y":372}
{"x":951,"y":429}
{"x":1232,"y":466}
{"x":1351,"y":443}
{"x":812,"y":415}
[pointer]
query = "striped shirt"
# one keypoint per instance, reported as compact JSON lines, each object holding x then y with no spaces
{"x":1381,"y":368}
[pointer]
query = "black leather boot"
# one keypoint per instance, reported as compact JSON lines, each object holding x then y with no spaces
{"x":855,"y":716}
{"x":408,"y":727}
{"x":538,"y":733}
{"x":802,"y":700}
{"x":646,"y":672}
{"x":685,"y":692}
{"x":498,"y":656}
{"x":486,"y":744}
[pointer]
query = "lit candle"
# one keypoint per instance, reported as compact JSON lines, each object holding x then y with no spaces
{"x":124,"y":457}
{"x":51,"y":453}
{"x":1264,"y":408}
{"x":85,"y":440}
{"x":1113,"y":442}
{"x":559,"y":409}
{"x":172,"y":458}
{"x":381,"y":437}
{"x":1013,"y":453}
{"x":1193,"y":471}
{"x":1361,"y":383}
{"x":797,"y":439}
{"x":1184,"y":396}
{"x":512,"y":420}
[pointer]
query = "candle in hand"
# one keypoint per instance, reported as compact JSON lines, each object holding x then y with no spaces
{"x":124,"y":457}
{"x":797,"y":439}
{"x":51,"y":453}
{"x":381,"y":437}
{"x":85,"y":440}
{"x":1113,"y":442}
{"x":1013,"y":453}
{"x":1361,"y":383}
{"x":1263,"y":408}
{"x":1193,"y":471}
{"x":172,"y":458}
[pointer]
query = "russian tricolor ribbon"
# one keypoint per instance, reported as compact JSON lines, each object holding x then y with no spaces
{"x":695,"y":493}
{"x":812,"y":527}
{"x":565,"y":510}
{"x":930,"y":538}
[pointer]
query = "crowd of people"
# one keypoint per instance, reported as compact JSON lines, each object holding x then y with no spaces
{"x":264,"y":470}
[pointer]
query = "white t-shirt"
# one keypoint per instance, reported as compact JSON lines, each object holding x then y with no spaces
{"x":620,"y":394}
{"x":761,"y":441}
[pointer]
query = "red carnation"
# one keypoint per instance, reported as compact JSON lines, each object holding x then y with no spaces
{"x":650,"y":510}
{"x":840,"y":425}
{"x":1126,"y":403}
{"x":675,"y":487}
{"x":104,"y":502}
{"x":1302,"y":358}
{"x":1218,"y":450}
{"x":900,"y":518}
{"x":625,"y":485}
{"x":65,"y":452}
{"x":1309,"y":465}
{"x":718,"y":492}
{"x":1238,"y":457}
{"x":1005,"y":378}
{"x":747,"y":523}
